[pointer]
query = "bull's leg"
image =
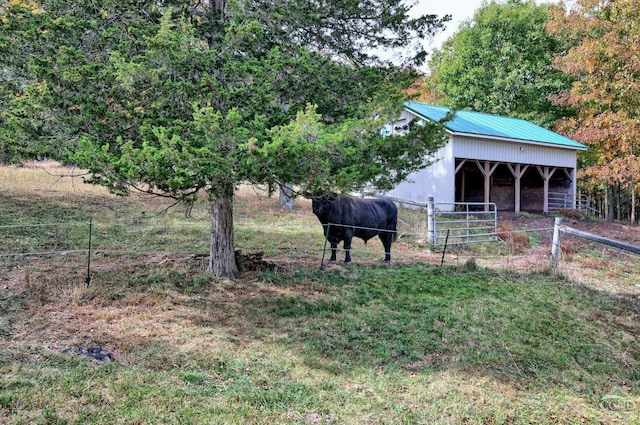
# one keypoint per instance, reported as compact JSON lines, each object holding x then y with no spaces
{"x":334,"y":251}
{"x":387,"y":238}
{"x":347,"y":249}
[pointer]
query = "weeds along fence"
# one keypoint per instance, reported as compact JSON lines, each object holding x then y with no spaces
{"x":54,"y":249}
{"x":88,"y":246}
{"x":593,"y":259}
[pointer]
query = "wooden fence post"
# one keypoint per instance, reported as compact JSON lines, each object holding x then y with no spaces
{"x":555,"y":246}
{"x":431,"y":221}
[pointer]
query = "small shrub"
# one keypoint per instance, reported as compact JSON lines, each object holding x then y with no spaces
{"x":575,"y":214}
{"x":518,"y":242}
{"x":471,"y":264}
{"x":570,"y":247}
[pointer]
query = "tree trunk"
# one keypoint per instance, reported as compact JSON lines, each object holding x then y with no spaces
{"x":632,"y":219}
{"x":618,"y":197}
{"x":286,"y":196}
{"x":608,"y":203}
{"x":222,"y":260}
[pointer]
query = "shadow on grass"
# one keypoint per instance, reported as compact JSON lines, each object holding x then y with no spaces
{"x":521,"y":328}
{"x":192,"y":333}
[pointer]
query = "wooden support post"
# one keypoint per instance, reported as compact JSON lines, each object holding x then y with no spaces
{"x":487,"y":170}
{"x":517,"y":176}
{"x":487,"y":185}
{"x":460,"y":164}
{"x":517,"y":173}
{"x":546,"y":174}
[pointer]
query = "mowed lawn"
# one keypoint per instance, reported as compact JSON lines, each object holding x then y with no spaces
{"x":365,"y":344}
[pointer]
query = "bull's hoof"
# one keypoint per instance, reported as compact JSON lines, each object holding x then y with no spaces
{"x":332,"y":261}
{"x":347,"y":262}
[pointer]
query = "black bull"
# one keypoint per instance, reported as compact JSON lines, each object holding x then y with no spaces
{"x":345,"y":217}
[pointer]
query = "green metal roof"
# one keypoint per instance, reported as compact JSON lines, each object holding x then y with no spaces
{"x":476,"y":123}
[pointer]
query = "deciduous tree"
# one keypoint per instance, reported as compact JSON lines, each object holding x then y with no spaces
{"x":605,"y":61}
{"x":500,"y":61}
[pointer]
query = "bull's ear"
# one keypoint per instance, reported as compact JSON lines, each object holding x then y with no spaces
{"x":314,"y":194}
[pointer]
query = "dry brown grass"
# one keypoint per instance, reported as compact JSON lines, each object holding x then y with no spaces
{"x":517,"y":242}
{"x":46,"y":176}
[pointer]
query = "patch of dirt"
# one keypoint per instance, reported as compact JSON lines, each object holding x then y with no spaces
{"x":253,"y":262}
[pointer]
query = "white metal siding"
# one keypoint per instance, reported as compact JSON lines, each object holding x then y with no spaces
{"x":513,"y":152}
{"x":437,"y":180}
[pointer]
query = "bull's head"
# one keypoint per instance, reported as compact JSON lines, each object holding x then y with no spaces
{"x":320,"y":204}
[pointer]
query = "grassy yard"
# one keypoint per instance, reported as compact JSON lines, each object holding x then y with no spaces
{"x":365,"y":344}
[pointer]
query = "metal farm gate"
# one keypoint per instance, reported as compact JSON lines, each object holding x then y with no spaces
{"x":456,"y":223}
{"x":462,"y":222}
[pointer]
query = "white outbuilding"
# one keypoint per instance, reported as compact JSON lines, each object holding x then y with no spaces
{"x":513,"y":163}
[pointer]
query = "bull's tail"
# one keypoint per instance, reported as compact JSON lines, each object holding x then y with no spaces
{"x":393,"y":225}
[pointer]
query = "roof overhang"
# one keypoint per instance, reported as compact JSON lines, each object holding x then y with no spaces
{"x":510,"y":140}
{"x":499,"y":138}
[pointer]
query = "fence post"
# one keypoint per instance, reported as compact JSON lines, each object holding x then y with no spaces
{"x":555,"y":246}
{"x":324,"y":248}
{"x":444,"y":250}
{"x":87,"y":280}
{"x":431,"y":235}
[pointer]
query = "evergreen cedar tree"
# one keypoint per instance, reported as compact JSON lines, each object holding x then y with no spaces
{"x":199,"y":97}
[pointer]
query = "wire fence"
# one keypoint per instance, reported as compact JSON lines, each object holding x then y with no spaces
{"x":85,"y":246}
{"x":24,"y":240}
{"x":48,"y":247}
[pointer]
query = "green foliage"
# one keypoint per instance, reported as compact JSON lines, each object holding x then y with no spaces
{"x":603,"y":61}
{"x":501,"y":62}
{"x":174,"y":99}
{"x":125,"y":86}
{"x":346,"y":156}
{"x":119,"y":68}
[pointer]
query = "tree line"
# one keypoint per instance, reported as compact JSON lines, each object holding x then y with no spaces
{"x":573,"y":68}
